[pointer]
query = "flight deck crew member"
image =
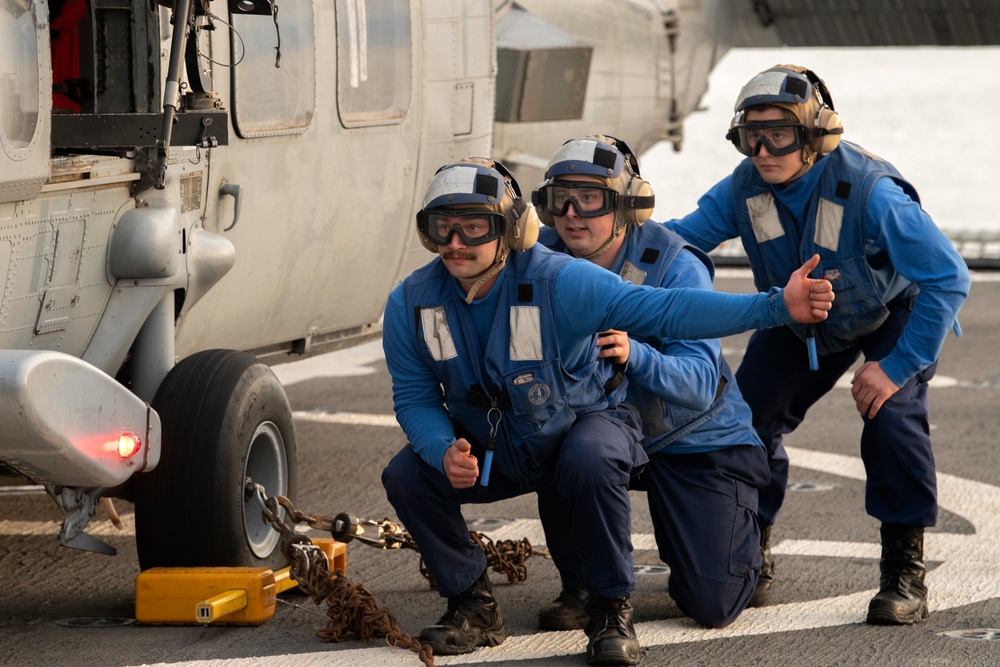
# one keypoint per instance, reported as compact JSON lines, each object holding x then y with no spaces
{"x":705,"y":460}
{"x":498,"y":387}
{"x":899,"y":284}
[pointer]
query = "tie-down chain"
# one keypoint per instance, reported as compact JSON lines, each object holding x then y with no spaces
{"x":351,"y":608}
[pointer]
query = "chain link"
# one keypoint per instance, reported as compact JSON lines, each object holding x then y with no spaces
{"x":506,"y":557}
{"x":351,"y":608}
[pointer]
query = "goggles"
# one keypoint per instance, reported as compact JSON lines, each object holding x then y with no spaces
{"x":589,"y":199}
{"x":779,"y":136}
{"x":475,"y":227}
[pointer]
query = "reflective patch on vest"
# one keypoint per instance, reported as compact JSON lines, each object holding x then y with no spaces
{"x":764,"y":218}
{"x":525,"y":333}
{"x":437,"y":334}
{"x":829,"y":221}
{"x":633,"y":273}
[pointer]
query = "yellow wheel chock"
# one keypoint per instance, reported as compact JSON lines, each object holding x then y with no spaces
{"x":219,"y":595}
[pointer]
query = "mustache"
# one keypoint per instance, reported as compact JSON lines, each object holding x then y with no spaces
{"x":458,"y":255}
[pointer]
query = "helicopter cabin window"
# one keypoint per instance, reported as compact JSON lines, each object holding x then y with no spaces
{"x":19,"y":77}
{"x":274,"y":80}
{"x":373,"y":61}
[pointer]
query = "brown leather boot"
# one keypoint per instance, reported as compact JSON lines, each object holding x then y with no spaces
{"x":473,"y":619}
{"x":902,"y":595}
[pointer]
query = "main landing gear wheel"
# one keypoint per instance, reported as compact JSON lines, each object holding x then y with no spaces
{"x":225,"y":417}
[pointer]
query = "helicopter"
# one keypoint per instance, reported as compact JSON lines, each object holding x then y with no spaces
{"x":192,"y":191}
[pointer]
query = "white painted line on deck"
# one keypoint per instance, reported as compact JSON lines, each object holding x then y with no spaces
{"x":353,"y":418}
{"x":969,"y":572}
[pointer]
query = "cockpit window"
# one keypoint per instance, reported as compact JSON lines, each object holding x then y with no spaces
{"x":269,"y":100}
{"x":374,"y":61}
{"x":19,"y":77}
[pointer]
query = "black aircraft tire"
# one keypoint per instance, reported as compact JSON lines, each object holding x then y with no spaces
{"x":224,"y":416}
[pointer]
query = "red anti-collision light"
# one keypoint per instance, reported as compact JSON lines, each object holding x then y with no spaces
{"x":128,"y":444}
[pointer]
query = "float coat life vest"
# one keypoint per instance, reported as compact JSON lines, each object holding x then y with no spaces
{"x":517,"y":386}
{"x":646,"y":256}
{"x":777,"y":245}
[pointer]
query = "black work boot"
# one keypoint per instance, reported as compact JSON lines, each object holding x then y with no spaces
{"x":566,"y":612}
{"x":766,"y":576}
{"x":902,"y":595}
{"x":473,"y":619}
{"x":612,"y":636}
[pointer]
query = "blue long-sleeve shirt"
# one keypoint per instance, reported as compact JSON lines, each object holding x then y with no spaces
{"x":896,"y":228}
{"x":686,"y":373}
{"x":588,"y":299}
{"x":682,"y":372}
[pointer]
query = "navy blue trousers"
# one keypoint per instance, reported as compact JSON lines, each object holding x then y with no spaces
{"x":592,"y":470}
{"x":704,"y":512}
{"x":895,"y":446}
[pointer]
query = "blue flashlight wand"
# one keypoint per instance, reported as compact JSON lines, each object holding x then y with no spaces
{"x":811,"y":345}
{"x":484,"y":478}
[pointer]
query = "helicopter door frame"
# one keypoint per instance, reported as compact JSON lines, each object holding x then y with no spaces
{"x":25,"y":99}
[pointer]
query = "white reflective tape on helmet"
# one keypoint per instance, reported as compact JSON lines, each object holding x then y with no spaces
{"x":774,"y":85}
{"x":581,"y":156}
{"x":765,"y":84}
{"x":581,"y":149}
{"x":452,"y":182}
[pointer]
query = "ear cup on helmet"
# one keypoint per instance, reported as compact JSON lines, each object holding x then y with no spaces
{"x":639,"y":200}
{"x":829,"y":120}
{"x":522,"y":220}
{"x":522,"y":230}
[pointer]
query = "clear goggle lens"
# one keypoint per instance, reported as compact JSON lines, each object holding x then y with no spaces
{"x":780,"y":137}
{"x":589,"y":200}
{"x":474,"y":227}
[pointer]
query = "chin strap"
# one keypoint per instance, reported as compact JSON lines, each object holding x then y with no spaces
{"x":808,"y":160}
{"x":490,"y":272}
{"x":617,"y":231}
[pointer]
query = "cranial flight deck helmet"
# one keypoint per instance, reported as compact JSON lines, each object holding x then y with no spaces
{"x":612,"y":162}
{"x":799,"y":91}
{"x":478,"y":186}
